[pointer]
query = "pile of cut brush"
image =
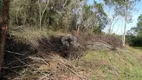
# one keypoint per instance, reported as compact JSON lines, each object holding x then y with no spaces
{"x":42,"y":67}
{"x":50,"y":58}
{"x":45,"y":59}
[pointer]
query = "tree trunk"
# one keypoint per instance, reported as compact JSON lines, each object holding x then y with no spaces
{"x":110,"y":21}
{"x":125,"y":24}
{"x":124,"y":35}
{"x":3,"y":29}
{"x":41,"y":13}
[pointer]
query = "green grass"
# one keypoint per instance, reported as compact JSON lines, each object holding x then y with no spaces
{"x":115,"y":65}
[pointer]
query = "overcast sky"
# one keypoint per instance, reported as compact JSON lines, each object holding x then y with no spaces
{"x":118,"y":28}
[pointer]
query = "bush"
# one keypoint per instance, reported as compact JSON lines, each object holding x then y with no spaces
{"x":113,"y":40}
{"x":134,"y":40}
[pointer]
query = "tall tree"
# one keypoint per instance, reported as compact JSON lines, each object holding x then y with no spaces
{"x":91,"y":18}
{"x":134,"y":35}
{"x":112,"y":18}
{"x":3,"y":29}
{"x":137,"y":31}
{"x":139,"y":26}
{"x":123,"y":8}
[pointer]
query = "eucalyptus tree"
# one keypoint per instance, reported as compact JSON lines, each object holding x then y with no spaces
{"x":123,"y":8}
{"x":91,"y":18}
{"x":112,"y":18}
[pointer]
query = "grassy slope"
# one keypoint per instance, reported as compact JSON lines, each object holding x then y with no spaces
{"x":110,"y":65}
{"x":102,"y":65}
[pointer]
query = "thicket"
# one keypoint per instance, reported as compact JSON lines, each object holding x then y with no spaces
{"x":134,"y":41}
{"x":65,"y":15}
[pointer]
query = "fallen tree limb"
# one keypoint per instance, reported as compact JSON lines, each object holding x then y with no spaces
{"x":15,"y":53}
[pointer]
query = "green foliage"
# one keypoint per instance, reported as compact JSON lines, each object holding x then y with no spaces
{"x":134,"y":40}
{"x":102,"y":17}
{"x":57,"y":15}
{"x":114,"y":2}
{"x":139,"y":26}
{"x":93,"y":18}
{"x":125,"y":9}
{"x":134,"y":35}
{"x":23,"y":12}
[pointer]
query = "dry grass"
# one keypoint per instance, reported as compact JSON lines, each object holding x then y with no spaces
{"x":31,"y":34}
{"x":123,"y":64}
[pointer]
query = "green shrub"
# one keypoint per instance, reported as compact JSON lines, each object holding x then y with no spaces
{"x":134,"y":40}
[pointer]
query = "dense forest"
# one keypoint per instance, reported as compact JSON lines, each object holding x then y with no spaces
{"x":65,"y":40}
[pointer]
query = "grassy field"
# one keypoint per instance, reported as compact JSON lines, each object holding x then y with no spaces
{"x":123,"y":64}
